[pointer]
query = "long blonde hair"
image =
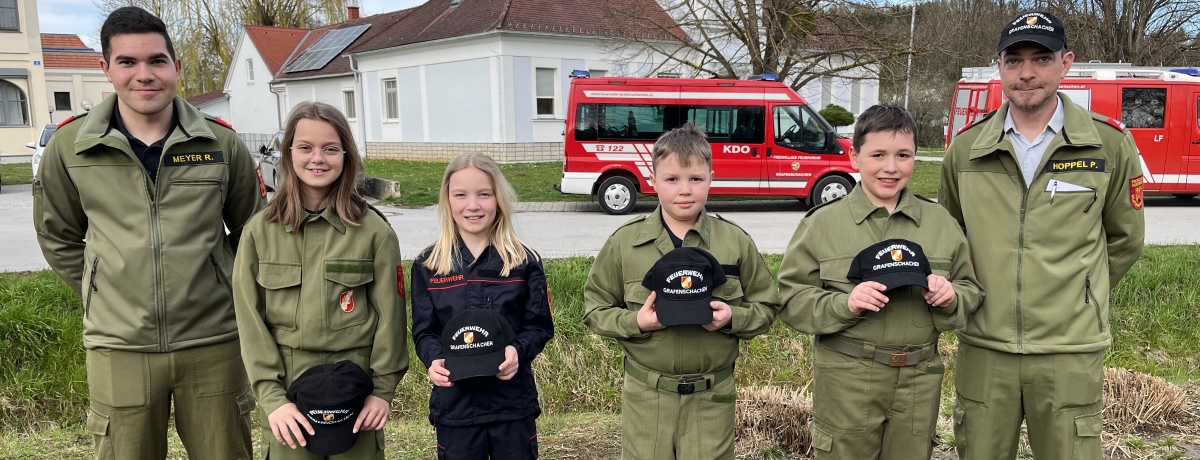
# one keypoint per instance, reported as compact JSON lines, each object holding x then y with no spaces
{"x":502,"y":235}
{"x":286,"y":208}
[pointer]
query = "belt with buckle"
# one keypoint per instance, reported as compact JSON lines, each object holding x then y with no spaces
{"x":683,"y":386}
{"x":902,"y":358}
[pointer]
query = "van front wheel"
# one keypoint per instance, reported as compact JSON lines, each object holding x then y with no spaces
{"x":617,"y":195}
{"x":829,"y":188}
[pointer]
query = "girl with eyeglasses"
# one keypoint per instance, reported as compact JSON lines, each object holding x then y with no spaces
{"x":318,"y":280}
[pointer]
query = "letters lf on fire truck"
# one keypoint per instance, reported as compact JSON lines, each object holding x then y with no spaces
{"x":1159,"y":105}
{"x":765,"y":138}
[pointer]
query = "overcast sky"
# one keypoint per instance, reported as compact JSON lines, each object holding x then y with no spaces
{"x":82,"y":17}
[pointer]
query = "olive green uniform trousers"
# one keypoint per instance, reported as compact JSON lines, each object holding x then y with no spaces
{"x":864,"y":409}
{"x":658,"y":424}
{"x":131,"y":394}
{"x":1060,"y":397}
{"x":370,"y":443}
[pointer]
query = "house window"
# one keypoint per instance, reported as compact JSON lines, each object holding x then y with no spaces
{"x":855,"y":96}
{"x":62,"y":101}
{"x":348,"y":103}
{"x":13,"y":108}
{"x":826,"y":92}
{"x":598,"y":73}
{"x":391,"y":105}
{"x":250,"y":71}
{"x":545,"y":93}
{"x":8,"y":15}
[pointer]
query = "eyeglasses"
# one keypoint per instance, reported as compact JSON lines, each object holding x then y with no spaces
{"x":328,"y":150}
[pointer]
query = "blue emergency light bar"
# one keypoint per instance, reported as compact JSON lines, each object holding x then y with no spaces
{"x":764,"y":77}
{"x":580,"y":74}
{"x":1192,"y":72}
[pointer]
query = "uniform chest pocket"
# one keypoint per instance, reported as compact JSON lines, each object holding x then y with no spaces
{"x":347,"y":282}
{"x":281,"y":281}
{"x":635,"y":297}
{"x":833,"y":274}
{"x":731,"y":292}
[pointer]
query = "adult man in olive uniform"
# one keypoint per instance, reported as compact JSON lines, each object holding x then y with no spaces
{"x":131,"y":207}
{"x":1050,"y":197}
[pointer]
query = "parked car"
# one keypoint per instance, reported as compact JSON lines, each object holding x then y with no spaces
{"x":268,"y":161}
{"x":40,"y":145}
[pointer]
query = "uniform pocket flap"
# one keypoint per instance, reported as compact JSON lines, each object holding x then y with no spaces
{"x":1089,"y":426}
{"x":635,"y":293}
{"x":276,"y":275}
{"x":959,"y":412}
{"x":836,"y":269}
{"x":97,"y":423}
{"x":821,"y":439}
{"x":350,"y":272}
{"x":940,"y":266}
{"x":730,"y":291}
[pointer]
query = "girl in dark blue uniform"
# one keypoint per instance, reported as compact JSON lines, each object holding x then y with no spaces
{"x":478,"y":262}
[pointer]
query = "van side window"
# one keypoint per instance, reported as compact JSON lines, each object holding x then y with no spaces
{"x":740,"y":124}
{"x":624,"y":122}
{"x":797,"y":127}
{"x":1143,"y":107}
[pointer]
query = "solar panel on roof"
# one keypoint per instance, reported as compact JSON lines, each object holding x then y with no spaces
{"x":327,"y":48}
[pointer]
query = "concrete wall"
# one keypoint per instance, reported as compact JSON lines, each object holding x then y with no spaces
{"x":90,"y":84}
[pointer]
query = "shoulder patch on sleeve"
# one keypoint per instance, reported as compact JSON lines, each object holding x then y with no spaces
{"x":219,"y":121}
{"x":377,"y":211}
{"x":730,"y":222}
{"x":822,"y":205}
{"x":977,"y":122}
{"x":70,"y":119}
{"x":1110,"y":121}
{"x":630,"y":222}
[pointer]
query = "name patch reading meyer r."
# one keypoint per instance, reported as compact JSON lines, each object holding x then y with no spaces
{"x":196,"y":158}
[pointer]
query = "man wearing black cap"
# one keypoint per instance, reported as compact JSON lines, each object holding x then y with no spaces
{"x":1050,"y":197}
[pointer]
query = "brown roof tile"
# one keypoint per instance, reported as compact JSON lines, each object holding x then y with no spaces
{"x":275,"y":44}
{"x":206,"y":97}
{"x":437,"y":20}
{"x":87,"y":60}
{"x":63,"y":41}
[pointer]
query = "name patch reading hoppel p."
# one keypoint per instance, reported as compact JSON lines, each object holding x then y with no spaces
{"x":198,"y":158}
{"x":1079,"y":164}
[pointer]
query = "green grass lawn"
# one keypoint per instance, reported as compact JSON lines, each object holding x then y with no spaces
{"x":534,"y":182}
{"x":16,"y":173}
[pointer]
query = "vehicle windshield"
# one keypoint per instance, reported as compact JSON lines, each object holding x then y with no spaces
{"x":46,"y":133}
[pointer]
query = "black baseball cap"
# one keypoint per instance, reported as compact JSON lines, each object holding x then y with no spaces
{"x":684,"y":279}
{"x":892,"y":263}
{"x":330,"y":396}
{"x":474,"y":342}
{"x":1035,"y":26}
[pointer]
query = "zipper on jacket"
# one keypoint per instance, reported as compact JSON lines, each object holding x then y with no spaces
{"x":1020,"y":260}
{"x":1094,"y":197}
{"x":217,"y":271}
{"x":156,"y":235}
{"x":92,"y":278}
{"x":1087,"y":296}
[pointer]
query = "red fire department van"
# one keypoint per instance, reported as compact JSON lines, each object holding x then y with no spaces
{"x":765,"y":139}
{"x":1159,"y":105}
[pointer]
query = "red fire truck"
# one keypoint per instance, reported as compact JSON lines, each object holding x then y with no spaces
{"x":1159,"y":105}
{"x":765,"y":139}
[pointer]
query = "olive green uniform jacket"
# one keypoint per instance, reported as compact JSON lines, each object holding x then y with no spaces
{"x":614,"y":294}
{"x":1047,"y":264}
{"x":291,"y":288}
{"x":815,"y":291}
{"x":151,"y":259}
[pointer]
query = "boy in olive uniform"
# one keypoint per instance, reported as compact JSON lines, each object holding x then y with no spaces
{"x":1050,"y":197}
{"x":131,"y":207}
{"x":877,"y":374}
{"x":678,"y":395}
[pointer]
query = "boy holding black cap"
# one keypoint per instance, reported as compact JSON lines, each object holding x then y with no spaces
{"x":678,"y":395}
{"x":1050,"y":197}
{"x":877,"y":275}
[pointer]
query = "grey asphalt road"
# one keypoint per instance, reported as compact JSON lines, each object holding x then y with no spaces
{"x":562,"y":234}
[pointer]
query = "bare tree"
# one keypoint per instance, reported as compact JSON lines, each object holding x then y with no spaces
{"x":205,"y":32}
{"x":1145,"y":32}
{"x":800,"y":40}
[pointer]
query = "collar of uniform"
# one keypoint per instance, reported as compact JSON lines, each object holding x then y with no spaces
{"x":97,"y":126}
{"x":861,"y":207}
{"x":652,"y":228}
{"x":1077,"y":129}
{"x":1055,"y":125}
{"x":329,"y":214}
